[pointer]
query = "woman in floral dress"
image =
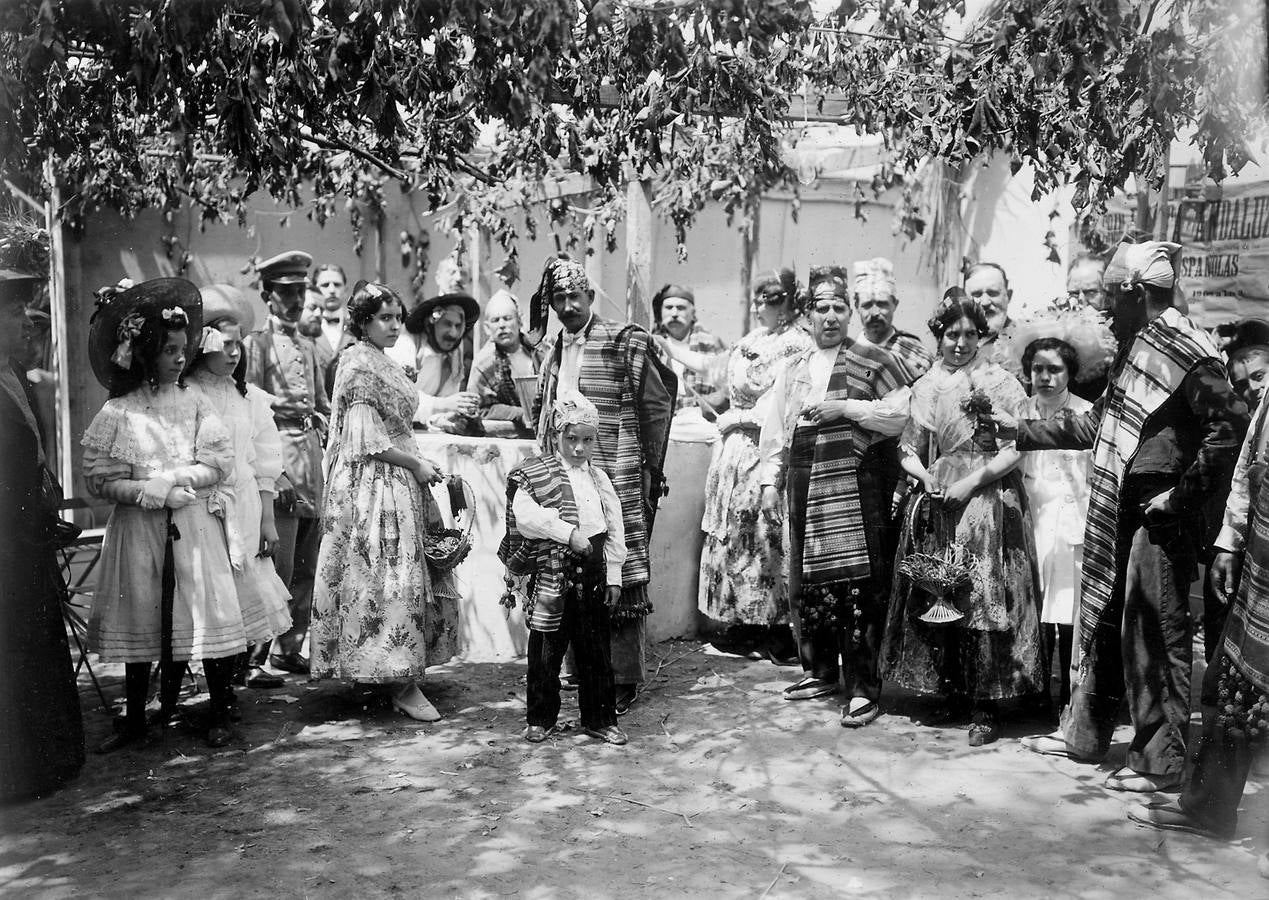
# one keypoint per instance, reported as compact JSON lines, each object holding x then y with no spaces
{"x":973,"y":495}
{"x":743,"y":572}
{"x":376,"y":615}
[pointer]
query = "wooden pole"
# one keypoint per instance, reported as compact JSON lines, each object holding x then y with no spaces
{"x":748,"y":256}
{"x":639,"y":253}
{"x":483,"y":283}
{"x":1161,"y":207}
{"x":59,"y":326}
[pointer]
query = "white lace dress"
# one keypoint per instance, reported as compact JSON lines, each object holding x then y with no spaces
{"x":257,"y":448}
{"x":137,"y":436}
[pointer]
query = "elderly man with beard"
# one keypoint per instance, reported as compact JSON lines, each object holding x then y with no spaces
{"x":434,"y":349}
{"x":824,"y":445}
{"x":618,"y":368}
{"x":1164,"y":437}
{"x":506,"y":359}
{"x":283,"y":362}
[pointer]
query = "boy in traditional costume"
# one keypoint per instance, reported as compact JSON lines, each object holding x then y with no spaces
{"x":617,"y":368}
{"x":1164,"y":437}
{"x":565,"y":532}
{"x":831,"y":409}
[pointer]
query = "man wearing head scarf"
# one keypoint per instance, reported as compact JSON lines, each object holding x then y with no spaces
{"x":692,"y":351}
{"x":1164,"y":437}
{"x":619,"y":369}
{"x":876,"y":301}
{"x":507,"y":359}
{"x":825,"y":446}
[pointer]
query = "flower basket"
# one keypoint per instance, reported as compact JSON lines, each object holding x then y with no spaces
{"x":939,"y":575}
{"x":445,"y":548}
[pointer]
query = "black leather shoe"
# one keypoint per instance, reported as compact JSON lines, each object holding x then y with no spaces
{"x":626,"y":695}
{"x":290,"y":662}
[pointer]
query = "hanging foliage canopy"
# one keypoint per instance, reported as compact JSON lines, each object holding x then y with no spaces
{"x":484,"y":107}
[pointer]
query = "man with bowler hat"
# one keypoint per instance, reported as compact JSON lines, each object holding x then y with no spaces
{"x":283,"y":362}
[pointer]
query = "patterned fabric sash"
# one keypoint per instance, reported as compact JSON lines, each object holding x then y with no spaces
{"x":614,"y":360}
{"x":836,"y":546}
{"x":1246,"y":636}
{"x":1161,"y":355}
{"x":543,"y":560}
{"x":911,"y":355}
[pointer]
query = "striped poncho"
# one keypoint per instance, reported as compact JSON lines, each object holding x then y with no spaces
{"x":542,"y":561}
{"x":616,"y":372}
{"x":1160,"y":357}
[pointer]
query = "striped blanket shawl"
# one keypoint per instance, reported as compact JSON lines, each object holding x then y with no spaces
{"x":911,"y":355}
{"x":543,"y":561}
{"x":1161,"y":355}
{"x":835,"y":547}
{"x":1246,"y":637}
{"x":615,"y":360}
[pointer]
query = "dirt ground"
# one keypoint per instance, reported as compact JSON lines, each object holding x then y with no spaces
{"x":725,"y":790}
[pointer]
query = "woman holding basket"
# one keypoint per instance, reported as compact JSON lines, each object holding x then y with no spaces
{"x":379,"y":614}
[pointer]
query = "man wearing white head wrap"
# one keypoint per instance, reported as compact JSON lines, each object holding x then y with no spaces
{"x":876,"y":300}
{"x":1164,"y":438}
{"x":505,"y":360}
{"x":565,"y":528}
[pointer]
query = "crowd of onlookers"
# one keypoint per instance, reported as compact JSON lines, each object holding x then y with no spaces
{"x":964,"y":517}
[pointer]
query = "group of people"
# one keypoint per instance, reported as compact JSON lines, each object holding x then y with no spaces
{"x":951,"y":522}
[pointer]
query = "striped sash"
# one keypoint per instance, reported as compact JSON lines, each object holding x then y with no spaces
{"x":835,"y":547}
{"x":1246,"y":637}
{"x":546,"y":482}
{"x":1161,"y":355}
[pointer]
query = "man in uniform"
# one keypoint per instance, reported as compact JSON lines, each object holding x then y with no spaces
{"x":284,"y":363}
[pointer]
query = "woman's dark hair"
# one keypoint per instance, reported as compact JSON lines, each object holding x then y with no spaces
{"x":951,"y":310}
{"x":327,"y":267}
{"x":240,"y":371}
{"x":1051,"y":344}
{"x":669,"y":290}
{"x":367,"y":299}
{"x":782,"y":281}
{"x":146,"y":348}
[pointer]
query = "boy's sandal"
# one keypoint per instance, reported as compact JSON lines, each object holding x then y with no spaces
{"x":861,"y":716}
{"x":1049,"y":745}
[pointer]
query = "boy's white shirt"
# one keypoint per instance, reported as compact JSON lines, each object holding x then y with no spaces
{"x":598,"y":511}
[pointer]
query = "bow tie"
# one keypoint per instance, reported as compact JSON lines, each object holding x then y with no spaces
{"x":335,"y":321}
{"x":575,"y":338}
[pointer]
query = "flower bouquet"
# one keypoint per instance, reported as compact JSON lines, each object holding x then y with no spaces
{"x":977,"y":407}
{"x":940,"y":575}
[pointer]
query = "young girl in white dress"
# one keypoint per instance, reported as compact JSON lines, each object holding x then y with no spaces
{"x":1057,"y":483}
{"x":165,"y":589}
{"x":219,"y":372}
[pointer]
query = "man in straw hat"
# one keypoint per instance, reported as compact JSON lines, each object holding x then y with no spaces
{"x":824,"y":446}
{"x":1164,"y":437}
{"x":618,"y":369}
{"x":508,"y":358}
{"x":283,"y":362}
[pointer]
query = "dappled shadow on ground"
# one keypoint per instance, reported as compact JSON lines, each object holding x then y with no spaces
{"x":724,"y":790}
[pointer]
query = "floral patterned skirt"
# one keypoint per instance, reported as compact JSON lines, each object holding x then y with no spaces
{"x":744,"y":574}
{"x":376,"y":616}
{"x":994,"y":652}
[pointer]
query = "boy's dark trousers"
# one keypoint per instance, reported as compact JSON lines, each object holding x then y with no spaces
{"x":584,"y":625}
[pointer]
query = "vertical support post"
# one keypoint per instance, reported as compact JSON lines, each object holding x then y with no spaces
{"x":639,"y":253}
{"x":483,"y":283}
{"x":59,"y":325}
{"x":1161,"y":208}
{"x":748,"y":256}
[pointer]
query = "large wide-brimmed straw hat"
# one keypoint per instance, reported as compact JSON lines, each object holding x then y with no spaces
{"x":224,"y":301}
{"x":109,"y":344}
{"x":421,"y":316}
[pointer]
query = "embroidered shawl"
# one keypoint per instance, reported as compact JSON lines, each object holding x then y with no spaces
{"x":543,"y":561}
{"x":911,"y":355}
{"x":615,"y":359}
{"x":835,"y":547}
{"x":1161,"y":355}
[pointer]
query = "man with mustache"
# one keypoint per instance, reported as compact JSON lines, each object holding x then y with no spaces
{"x":1164,"y":438}
{"x":283,"y":362}
{"x":824,"y":445}
{"x":434,"y":348}
{"x":618,"y":368}
{"x":876,"y":302}
{"x":692,"y":351}
{"x":508,"y":357}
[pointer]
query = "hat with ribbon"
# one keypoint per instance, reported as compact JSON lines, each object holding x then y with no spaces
{"x":572,"y":408}
{"x":123,"y":310}
{"x":224,"y":302}
{"x":561,"y":273}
